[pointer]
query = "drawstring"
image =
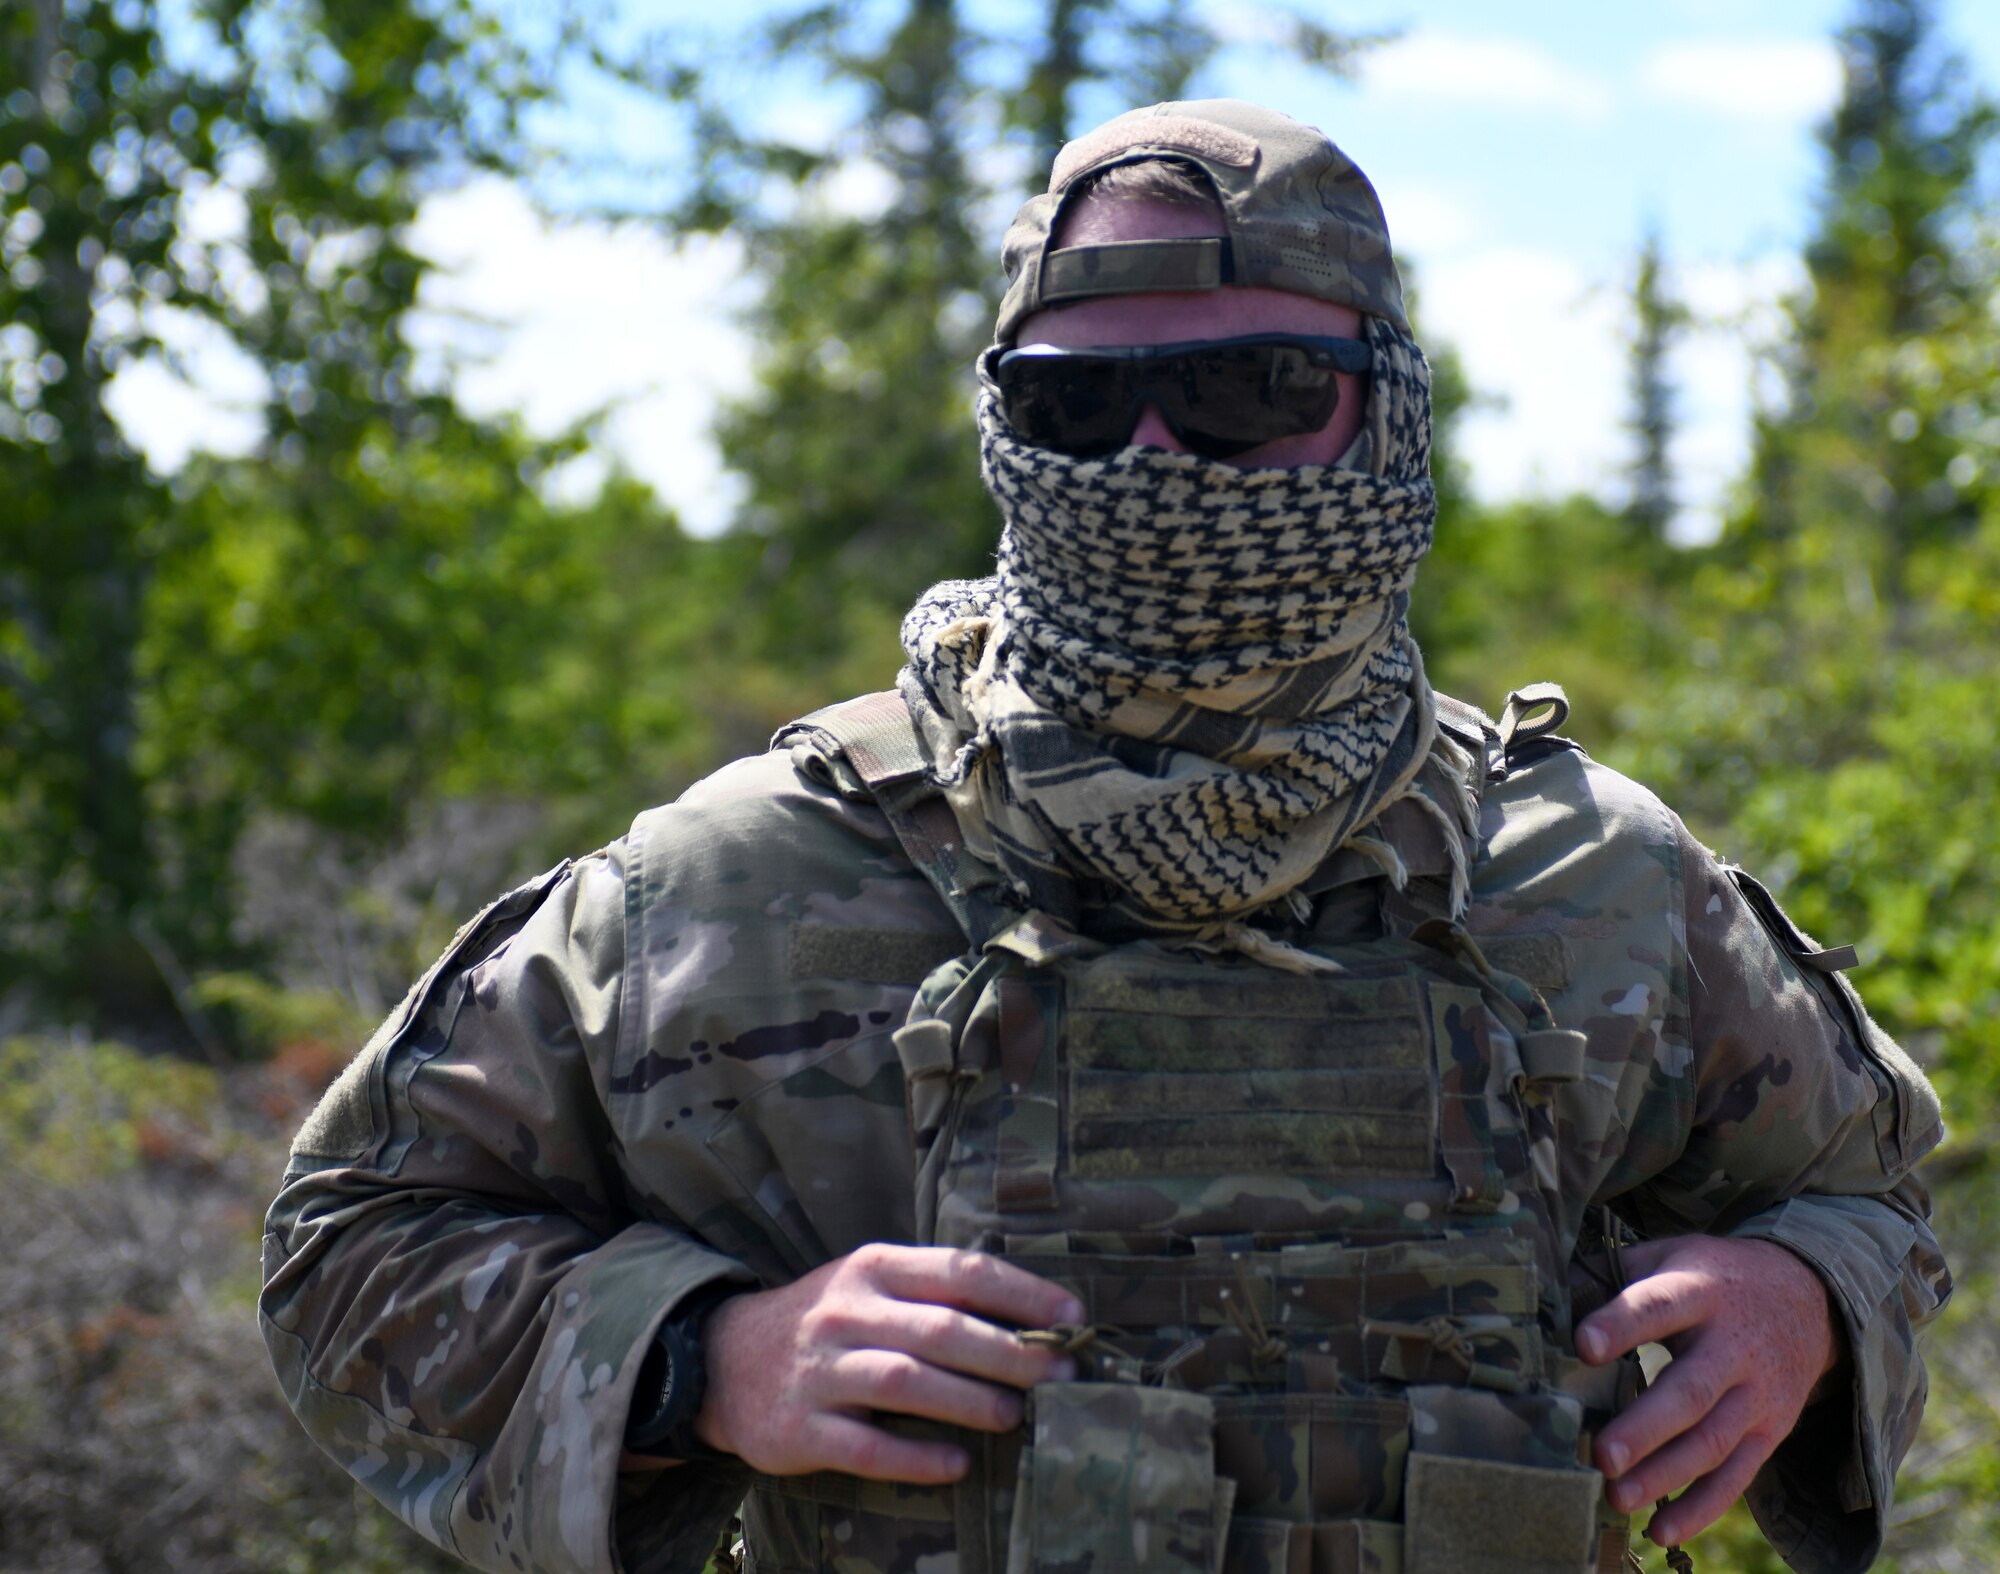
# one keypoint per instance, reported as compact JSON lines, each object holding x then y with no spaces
{"x":1081,"y":1339}
{"x":1452,"y":1341}
{"x":1448,"y":1337}
{"x":1265,"y":1346}
{"x":1063,"y":1338}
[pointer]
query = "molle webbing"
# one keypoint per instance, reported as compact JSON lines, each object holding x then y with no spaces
{"x":1174,"y":1067}
{"x":1306,"y":1203}
{"x":1461,"y":1313}
{"x":1324,"y":1306}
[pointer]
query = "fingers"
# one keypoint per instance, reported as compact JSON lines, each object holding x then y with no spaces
{"x":1750,"y":1327}
{"x":864,"y":1450}
{"x":1709,"y":1498}
{"x":947,"y":1308}
{"x":1677,"y":1438}
{"x":1652,"y":1310}
{"x":960,"y":1342}
{"x":903,"y":1385}
{"x":1683,"y":1398}
{"x":971,"y":1281}
{"x":918,"y":1331}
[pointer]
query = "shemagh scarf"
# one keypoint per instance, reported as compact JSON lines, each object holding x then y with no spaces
{"x":1188,"y":684}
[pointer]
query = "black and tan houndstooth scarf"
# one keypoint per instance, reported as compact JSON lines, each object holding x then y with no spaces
{"x":1188,"y":683}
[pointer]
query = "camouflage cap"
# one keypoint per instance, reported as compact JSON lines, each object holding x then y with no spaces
{"x":1300,"y":214}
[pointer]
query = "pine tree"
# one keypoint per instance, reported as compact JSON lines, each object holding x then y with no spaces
{"x":857,"y":443}
{"x":1657,"y":319}
{"x":1855,"y":465}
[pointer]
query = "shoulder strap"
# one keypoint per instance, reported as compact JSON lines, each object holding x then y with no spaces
{"x":872,"y":735}
{"x":1473,"y":729}
{"x":873,"y":740}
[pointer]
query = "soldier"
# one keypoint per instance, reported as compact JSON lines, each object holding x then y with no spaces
{"x":1163,"y":1089}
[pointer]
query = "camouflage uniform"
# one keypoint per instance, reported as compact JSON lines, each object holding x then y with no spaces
{"x":674,"y":1064}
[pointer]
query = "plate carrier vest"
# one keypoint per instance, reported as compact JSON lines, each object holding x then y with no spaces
{"x":1312,"y":1220}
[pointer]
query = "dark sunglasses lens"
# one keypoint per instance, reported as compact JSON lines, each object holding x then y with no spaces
{"x":1220,"y":401}
{"x":1073,"y":404}
{"x":1236,"y":397}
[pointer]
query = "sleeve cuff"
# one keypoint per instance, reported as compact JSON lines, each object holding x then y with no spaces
{"x":1823,"y":1497}
{"x":562,"y":1444}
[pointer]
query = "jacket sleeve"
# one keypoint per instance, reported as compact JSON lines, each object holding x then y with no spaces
{"x":1810,"y":1120}
{"x":458,"y":1292}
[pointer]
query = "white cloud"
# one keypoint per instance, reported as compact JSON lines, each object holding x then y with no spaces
{"x":550,"y":320}
{"x":1424,"y":220}
{"x":1735,"y":307}
{"x":1484,"y":72}
{"x":1783,"y":80}
{"x":1536,"y":332}
{"x":556,"y":320}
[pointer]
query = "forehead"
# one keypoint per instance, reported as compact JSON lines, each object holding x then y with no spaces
{"x":1164,"y":317}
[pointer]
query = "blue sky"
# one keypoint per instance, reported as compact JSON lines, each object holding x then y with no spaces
{"x":1596,"y":117}
{"x":1520,"y":151}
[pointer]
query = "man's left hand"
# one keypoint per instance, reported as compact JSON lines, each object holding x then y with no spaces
{"x":1751,"y":1331}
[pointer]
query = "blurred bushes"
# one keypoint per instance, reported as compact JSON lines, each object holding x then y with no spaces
{"x":140,"y":1427}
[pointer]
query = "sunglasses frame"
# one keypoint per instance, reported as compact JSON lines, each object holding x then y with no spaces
{"x":1330,"y":353}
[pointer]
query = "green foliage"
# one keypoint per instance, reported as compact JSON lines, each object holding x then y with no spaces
{"x":74,"y":1111}
{"x":1834,"y":726}
{"x":1561,"y":591}
{"x":339,"y":637}
{"x":1657,"y":318}
{"x":304,"y":134}
{"x":266,"y":1018}
{"x":1860,"y":464}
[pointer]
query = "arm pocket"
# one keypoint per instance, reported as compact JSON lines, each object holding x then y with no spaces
{"x":1909,"y":1121}
{"x":351,"y":1117}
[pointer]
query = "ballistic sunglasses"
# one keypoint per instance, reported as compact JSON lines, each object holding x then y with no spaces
{"x":1221,"y":397}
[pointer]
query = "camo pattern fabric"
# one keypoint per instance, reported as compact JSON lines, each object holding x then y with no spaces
{"x":673,"y":1065}
{"x":1166,"y":1138}
{"x":1302,"y":217}
{"x":1187,"y":682}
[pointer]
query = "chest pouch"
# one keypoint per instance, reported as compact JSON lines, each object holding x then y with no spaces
{"x":1313,"y":1223}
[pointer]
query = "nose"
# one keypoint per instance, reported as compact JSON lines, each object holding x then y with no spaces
{"x":1152,"y":431}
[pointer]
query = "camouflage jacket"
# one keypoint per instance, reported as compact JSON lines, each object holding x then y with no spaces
{"x":669,"y":1065}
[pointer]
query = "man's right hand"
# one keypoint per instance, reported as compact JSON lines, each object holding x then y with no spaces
{"x":795,"y":1373}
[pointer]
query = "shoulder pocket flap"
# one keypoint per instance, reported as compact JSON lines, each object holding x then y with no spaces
{"x":1917,"y":1123}
{"x":1791,"y":939}
{"x":345,"y":1123}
